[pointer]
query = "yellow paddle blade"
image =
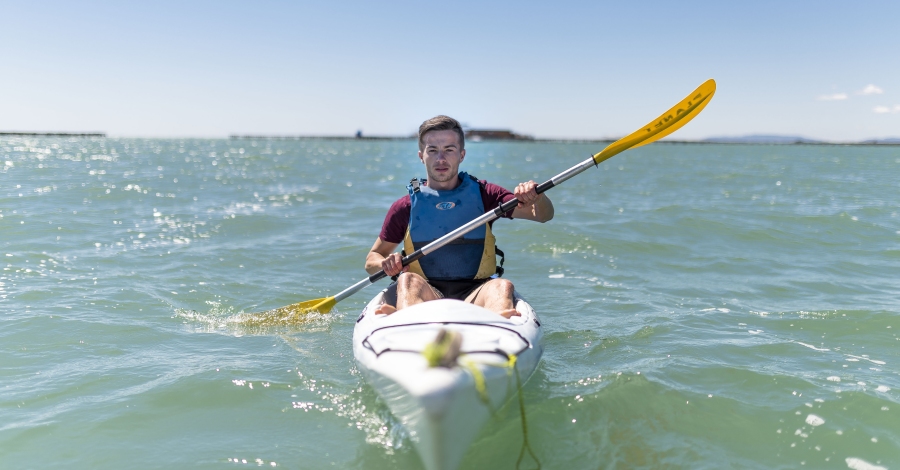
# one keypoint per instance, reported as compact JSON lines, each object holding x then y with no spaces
{"x":293,"y":314}
{"x":300,"y":308}
{"x":669,"y":122}
{"x":310,"y":306}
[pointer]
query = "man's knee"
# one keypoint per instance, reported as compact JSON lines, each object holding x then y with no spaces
{"x":408,"y":279}
{"x":502,"y":286}
{"x":413,"y":288}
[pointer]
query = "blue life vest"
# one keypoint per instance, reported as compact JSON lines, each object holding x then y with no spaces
{"x":434,"y":214}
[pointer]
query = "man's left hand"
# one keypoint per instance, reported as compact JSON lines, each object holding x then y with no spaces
{"x":526,"y":194}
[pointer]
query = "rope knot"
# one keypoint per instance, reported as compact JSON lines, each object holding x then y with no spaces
{"x":444,"y":350}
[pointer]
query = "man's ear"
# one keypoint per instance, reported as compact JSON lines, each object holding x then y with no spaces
{"x":421,"y":159}
{"x":462,"y":155}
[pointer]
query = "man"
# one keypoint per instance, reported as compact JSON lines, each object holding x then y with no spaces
{"x":445,"y":201}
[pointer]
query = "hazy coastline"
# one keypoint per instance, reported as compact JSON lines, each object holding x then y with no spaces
{"x":739,"y":140}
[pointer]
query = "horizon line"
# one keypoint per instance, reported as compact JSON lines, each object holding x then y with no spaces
{"x":752,"y":139}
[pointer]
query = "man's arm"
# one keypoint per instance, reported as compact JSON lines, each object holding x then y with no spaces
{"x":532,"y":206}
{"x":382,"y":257}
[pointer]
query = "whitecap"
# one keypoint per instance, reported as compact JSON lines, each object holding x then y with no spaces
{"x":883,"y":388}
{"x":814,"y":420}
{"x":864,"y":357}
{"x":860,"y":464}
{"x":812,"y":347}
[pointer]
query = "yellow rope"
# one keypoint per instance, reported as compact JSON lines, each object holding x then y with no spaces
{"x":478,"y":376}
{"x":525,"y":443}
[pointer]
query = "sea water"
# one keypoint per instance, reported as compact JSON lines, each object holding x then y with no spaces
{"x":704,"y":306}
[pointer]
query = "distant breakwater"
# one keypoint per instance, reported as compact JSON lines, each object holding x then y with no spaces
{"x":54,"y":134}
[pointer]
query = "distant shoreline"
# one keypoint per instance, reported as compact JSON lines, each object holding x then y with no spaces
{"x":54,"y":134}
{"x":574,"y":141}
{"x":517,"y":140}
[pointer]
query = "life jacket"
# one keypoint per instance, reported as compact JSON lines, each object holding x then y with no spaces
{"x":434,"y":214}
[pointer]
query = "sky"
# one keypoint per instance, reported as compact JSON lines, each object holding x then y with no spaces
{"x":564,"y":69}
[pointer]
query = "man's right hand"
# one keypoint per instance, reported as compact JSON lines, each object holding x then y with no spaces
{"x":393,"y":265}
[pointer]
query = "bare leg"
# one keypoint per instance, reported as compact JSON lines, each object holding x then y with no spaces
{"x":495,"y":295}
{"x":412,"y":289}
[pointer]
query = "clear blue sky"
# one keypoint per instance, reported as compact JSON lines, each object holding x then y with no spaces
{"x":826,"y":70}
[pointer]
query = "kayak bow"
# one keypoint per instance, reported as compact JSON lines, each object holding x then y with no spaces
{"x":444,"y":408}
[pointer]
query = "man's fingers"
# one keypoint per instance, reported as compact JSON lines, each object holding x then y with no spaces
{"x":526,"y":193}
{"x":393,"y":265}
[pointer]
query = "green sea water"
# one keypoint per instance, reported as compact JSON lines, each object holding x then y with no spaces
{"x":704,"y":306}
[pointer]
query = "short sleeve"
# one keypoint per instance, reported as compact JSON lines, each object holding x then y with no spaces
{"x":494,"y":195}
{"x":396,"y":221}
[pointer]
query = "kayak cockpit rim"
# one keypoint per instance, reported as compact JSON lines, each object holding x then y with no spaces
{"x":366,"y":344}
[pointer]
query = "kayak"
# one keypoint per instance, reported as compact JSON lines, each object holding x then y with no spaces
{"x":443,"y":408}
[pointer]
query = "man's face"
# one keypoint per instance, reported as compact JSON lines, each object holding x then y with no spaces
{"x":442,"y":156}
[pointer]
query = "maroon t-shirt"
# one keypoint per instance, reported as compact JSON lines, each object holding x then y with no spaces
{"x":397,"y":219}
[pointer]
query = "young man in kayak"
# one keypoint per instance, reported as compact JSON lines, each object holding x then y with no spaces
{"x":448,"y":199}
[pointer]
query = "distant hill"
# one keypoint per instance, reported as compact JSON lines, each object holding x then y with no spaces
{"x":793,"y":139}
{"x":889,"y":141}
{"x":763,"y":139}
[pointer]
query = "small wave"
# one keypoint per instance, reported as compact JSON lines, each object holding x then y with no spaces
{"x":865,"y":358}
{"x":812,"y":347}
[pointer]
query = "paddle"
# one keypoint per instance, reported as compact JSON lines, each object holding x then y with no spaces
{"x":667,"y":123}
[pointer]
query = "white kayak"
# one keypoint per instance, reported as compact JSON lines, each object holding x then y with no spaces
{"x":440,"y":407}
